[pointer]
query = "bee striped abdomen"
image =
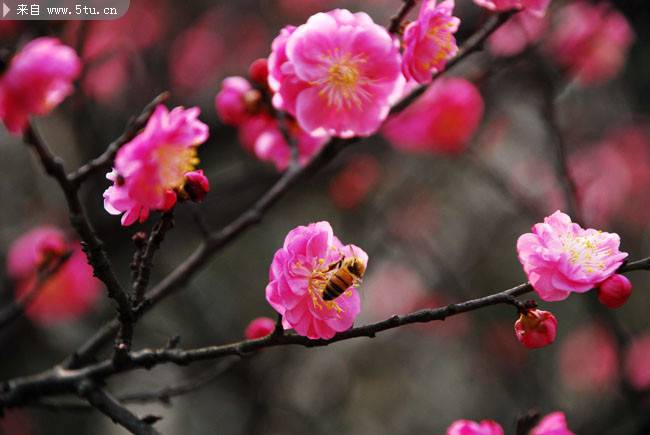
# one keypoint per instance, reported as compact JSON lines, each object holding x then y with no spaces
{"x":337,"y":285}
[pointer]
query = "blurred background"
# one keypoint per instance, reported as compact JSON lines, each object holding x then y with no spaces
{"x":440,"y":225}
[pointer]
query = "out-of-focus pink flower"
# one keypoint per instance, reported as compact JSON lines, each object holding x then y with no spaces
{"x":560,"y":257}
{"x":552,"y":424}
{"x":259,"y":327}
{"x":637,"y":363}
{"x":105,"y":79}
{"x":536,"y":328}
{"x":66,"y":295}
{"x":39,"y":77}
{"x":232,"y":104}
{"x":196,"y":55}
{"x":614,"y":291}
{"x":429,"y":41}
{"x":152,"y":166}
{"x":387,"y":297}
{"x":591,"y":41}
{"x":351,"y":186}
{"x":469,"y":427}
{"x":537,"y":7}
{"x":517,"y":33}
{"x":298,"y":275}
{"x":337,"y":74}
{"x":588,"y":359}
{"x":443,"y":120}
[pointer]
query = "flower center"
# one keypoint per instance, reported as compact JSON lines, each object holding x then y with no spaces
{"x":585,"y":252}
{"x":443,"y":39}
{"x":174,"y":163}
{"x":343,"y":84}
{"x":317,"y":283}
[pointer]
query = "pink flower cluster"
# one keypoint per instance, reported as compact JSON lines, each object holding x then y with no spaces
{"x":337,"y":74}
{"x":153,"y":170}
{"x":442,"y":121}
{"x":429,"y":41}
{"x":297,"y":278}
{"x":66,"y":295}
{"x":591,"y":41}
{"x":560,"y":257}
{"x":240,"y":104}
{"x":552,"y":424}
{"x":38,"y":78}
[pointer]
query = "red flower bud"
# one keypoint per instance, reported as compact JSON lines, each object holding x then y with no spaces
{"x":197,"y":185}
{"x":614,"y":291}
{"x":536,"y":328}
{"x":259,"y":327}
{"x":259,"y":71}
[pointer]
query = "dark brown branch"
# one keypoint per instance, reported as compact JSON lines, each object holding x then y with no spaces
{"x":396,"y":20}
{"x":91,"y":244}
{"x":17,"y":307}
{"x":105,"y":160}
{"x":109,"y":406}
{"x":180,"y":276}
{"x":21,"y":391}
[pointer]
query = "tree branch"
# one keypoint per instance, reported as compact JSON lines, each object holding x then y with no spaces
{"x":396,"y":20}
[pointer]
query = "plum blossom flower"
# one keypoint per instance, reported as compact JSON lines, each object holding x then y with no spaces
{"x":66,"y":295}
{"x":38,"y":79}
{"x":637,"y":363}
{"x":298,"y":274}
{"x":536,"y":328}
{"x":560,"y":257}
{"x":537,"y":7}
{"x":233,"y":102}
{"x":337,"y":74}
{"x":591,"y":41}
{"x":259,"y":327}
{"x":443,"y":120}
{"x":429,"y":41}
{"x":152,"y":167}
{"x":552,"y":424}
{"x":517,"y":33}
{"x":469,"y":427}
{"x":614,"y":291}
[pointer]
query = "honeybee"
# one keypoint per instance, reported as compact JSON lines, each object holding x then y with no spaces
{"x":349,"y":271}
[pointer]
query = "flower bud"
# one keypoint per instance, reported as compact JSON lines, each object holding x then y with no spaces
{"x":259,"y":327}
{"x":197,"y":185}
{"x":614,"y":291}
{"x":230,"y":102}
{"x":536,"y":328}
{"x":259,"y":71}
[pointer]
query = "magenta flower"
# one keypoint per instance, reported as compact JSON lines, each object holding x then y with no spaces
{"x":560,"y":257}
{"x":337,"y":74}
{"x":66,"y":295}
{"x":591,"y":41}
{"x":537,"y":7}
{"x":298,"y":275}
{"x":552,"y":424}
{"x":259,"y":327}
{"x":231,"y":101}
{"x":152,"y":168}
{"x":517,"y":33}
{"x":469,"y":427}
{"x":536,"y":328}
{"x":429,"y":41}
{"x":442,"y":121}
{"x":37,"y":80}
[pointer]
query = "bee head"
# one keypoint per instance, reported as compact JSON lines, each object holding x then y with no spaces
{"x":356,"y":267}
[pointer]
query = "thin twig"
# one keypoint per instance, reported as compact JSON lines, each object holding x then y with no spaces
{"x":396,"y":20}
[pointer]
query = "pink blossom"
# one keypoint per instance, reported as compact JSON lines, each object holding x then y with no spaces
{"x":298,"y":275}
{"x":231,"y":101}
{"x":591,"y":41}
{"x":152,"y":166}
{"x":337,"y":74}
{"x":429,"y":41}
{"x":65,"y":296}
{"x":537,"y":7}
{"x":536,"y":328}
{"x":552,"y":424}
{"x":517,"y":33}
{"x":637,"y":363}
{"x":39,"y":77}
{"x":351,"y":186}
{"x":259,"y":327}
{"x":560,"y":257}
{"x":579,"y":369}
{"x":614,"y":291}
{"x":443,"y":120}
{"x":469,"y":427}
